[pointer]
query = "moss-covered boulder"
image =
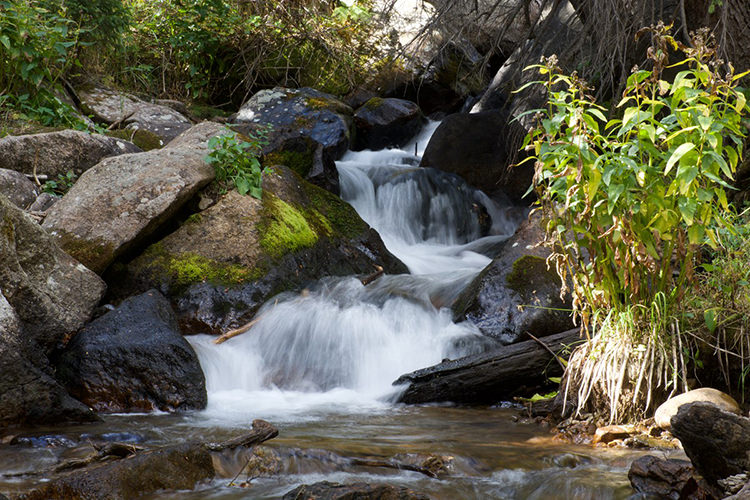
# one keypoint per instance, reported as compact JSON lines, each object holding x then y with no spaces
{"x":121,"y":201}
{"x":516,"y":293}
{"x":389,"y":122}
{"x":226,"y":261}
{"x":301,"y":112}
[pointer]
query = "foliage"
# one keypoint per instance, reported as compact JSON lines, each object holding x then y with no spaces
{"x":628,"y":201}
{"x":221,"y":50}
{"x":61,"y":185}
{"x":100,"y":21}
{"x":237,"y":162}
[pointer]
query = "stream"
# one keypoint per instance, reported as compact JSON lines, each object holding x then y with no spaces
{"x":319,"y":365}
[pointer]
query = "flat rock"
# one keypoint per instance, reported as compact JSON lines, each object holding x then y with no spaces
{"x":663,"y":478}
{"x":56,"y":153}
{"x":306,"y":112}
{"x":52,"y":294}
{"x":516,"y":293}
{"x":224,"y":262}
{"x":479,"y":147}
{"x":668,"y":409}
{"x":18,"y":188}
{"x":134,"y":358}
{"x":383,"y":123}
{"x":326,"y":490}
{"x":110,"y":106}
{"x":118,"y":203}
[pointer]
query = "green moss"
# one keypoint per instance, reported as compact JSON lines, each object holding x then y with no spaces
{"x":300,"y":162}
{"x":303,"y":122}
{"x":526,"y":270}
{"x":373,"y":103}
{"x":339,"y":216}
{"x":95,"y":254}
{"x":194,"y":219}
{"x":142,"y":138}
{"x":285,"y":229}
{"x":206,"y":112}
{"x":318,"y":103}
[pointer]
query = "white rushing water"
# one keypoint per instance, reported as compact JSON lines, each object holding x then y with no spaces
{"x":339,"y":346}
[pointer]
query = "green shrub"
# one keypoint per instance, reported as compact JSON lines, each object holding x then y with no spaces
{"x":237,"y":162}
{"x":61,"y":185}
{"x":629,"y":201}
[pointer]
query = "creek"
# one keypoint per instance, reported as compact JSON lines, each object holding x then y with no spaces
{"x":319,"y":365}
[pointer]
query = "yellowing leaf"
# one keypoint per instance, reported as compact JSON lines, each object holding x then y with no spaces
{"x":678,"y":153}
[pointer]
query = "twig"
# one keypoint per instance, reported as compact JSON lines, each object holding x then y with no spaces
{"x":557,"y":358}
{"x":120,"y":120}
{"x":262,"y":431}
{"x":239,"y":331}
{"x":372,"y":277}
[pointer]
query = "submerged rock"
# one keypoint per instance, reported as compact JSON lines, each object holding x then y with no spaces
{"x":302,"y":112}
{"x":110,"y":106}
{"x":19,"y":189}
{"x":56,"y":153}
{"x":480,"y":148}
{"x":121,"y":201}
{"x":668,"y":409}
{"x":134,"y":359}
{"x":326,"y":490}
{"x":224,"y":262}
{"x":516,"y":293}
{"x":383,"y":123}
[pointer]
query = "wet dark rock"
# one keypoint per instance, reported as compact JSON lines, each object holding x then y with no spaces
{"x":110,"y":106}
{"x":305,"y":156}
{"x":306,"y":112}
{"x":117,"y":204}
{"x":716,"y":441}
{"x":28,"y":393}
{"x":18,"y":188}
{"x":52,"y":294}
{"x":134,"y":359}
{"x":515,"y":370}
{"x":383,"y":123}
{"x":516,"y":293}
{"x":56,"y":153}
{"x":665,"y":478}
{"x":480,"y":148}
{"x":326,"y":490}
{"x":223,"y":263}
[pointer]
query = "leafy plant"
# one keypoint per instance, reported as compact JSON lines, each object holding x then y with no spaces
{"x":629,"y":201}
{"x":60,"y":185}
{"x":237,"y":162}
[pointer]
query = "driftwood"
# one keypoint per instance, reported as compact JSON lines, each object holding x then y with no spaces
{"x":237,"y":331}
{"x":514,"y":370}
{"x":372,"y":277}
{"x":262,"y":431}
{"x":390,"y":464}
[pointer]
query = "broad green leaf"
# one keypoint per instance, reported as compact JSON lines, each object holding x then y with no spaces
{"x":687,"y":207}
{"x":677,"y":154}
{"x":709,"y":317}
{"x":741,"y":102}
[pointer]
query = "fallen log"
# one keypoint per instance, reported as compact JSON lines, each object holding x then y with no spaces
{"x":514,"y":370}
{"x":178,"y":467}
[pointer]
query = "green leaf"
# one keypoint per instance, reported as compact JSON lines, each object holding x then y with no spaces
{"x":709,"y":316}
{"x":677,"y":154}
{"x":687,"y":207}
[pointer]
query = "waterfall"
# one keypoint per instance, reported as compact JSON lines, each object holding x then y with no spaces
{"x":339,"y":344}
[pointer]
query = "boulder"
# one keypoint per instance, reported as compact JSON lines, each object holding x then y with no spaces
{"x":224,"y":262}
{"x":110,"y":106}
{"x":134,"y":358}
{"x":668,"y":409}
{"x":301,"y":112}
{"x":516,"y":293}
{"x":115,"y":205}
{"x":716,"y":441}
{"x":56,"y":153}
{"x":479,"y":148}
{"x":326,"y":490}
{"x":305,"y":156}
{"x":664,"y":478}
{"x":52,"y":294}
{"x":17,"y":188}
{"x":28,"y":394}
{"x":383,"y":123}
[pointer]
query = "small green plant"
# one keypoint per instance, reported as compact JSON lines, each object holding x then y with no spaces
{"x":629,"y":201}
{"x":237,"y":162}
{"x":60,"y":185}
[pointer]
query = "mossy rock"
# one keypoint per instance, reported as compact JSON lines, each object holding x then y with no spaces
{"x":222,"y":264}
{"x":142,"y":138}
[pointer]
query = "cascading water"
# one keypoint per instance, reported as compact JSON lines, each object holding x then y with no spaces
{"x":339,"y":345}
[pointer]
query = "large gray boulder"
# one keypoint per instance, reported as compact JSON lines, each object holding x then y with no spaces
{"x":306,"y":112}
{"x":516,"y":293}
{"x":52,"y":294}
{"x":19,"y":189}
{"x":134,"y":358}
{"x":669,"y":408}
{"x":223,"y":263}
{"x":110,"y":106}
{"x":28,"y":394}
{"x":115,"y":205}
{"x":55,"y":153}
